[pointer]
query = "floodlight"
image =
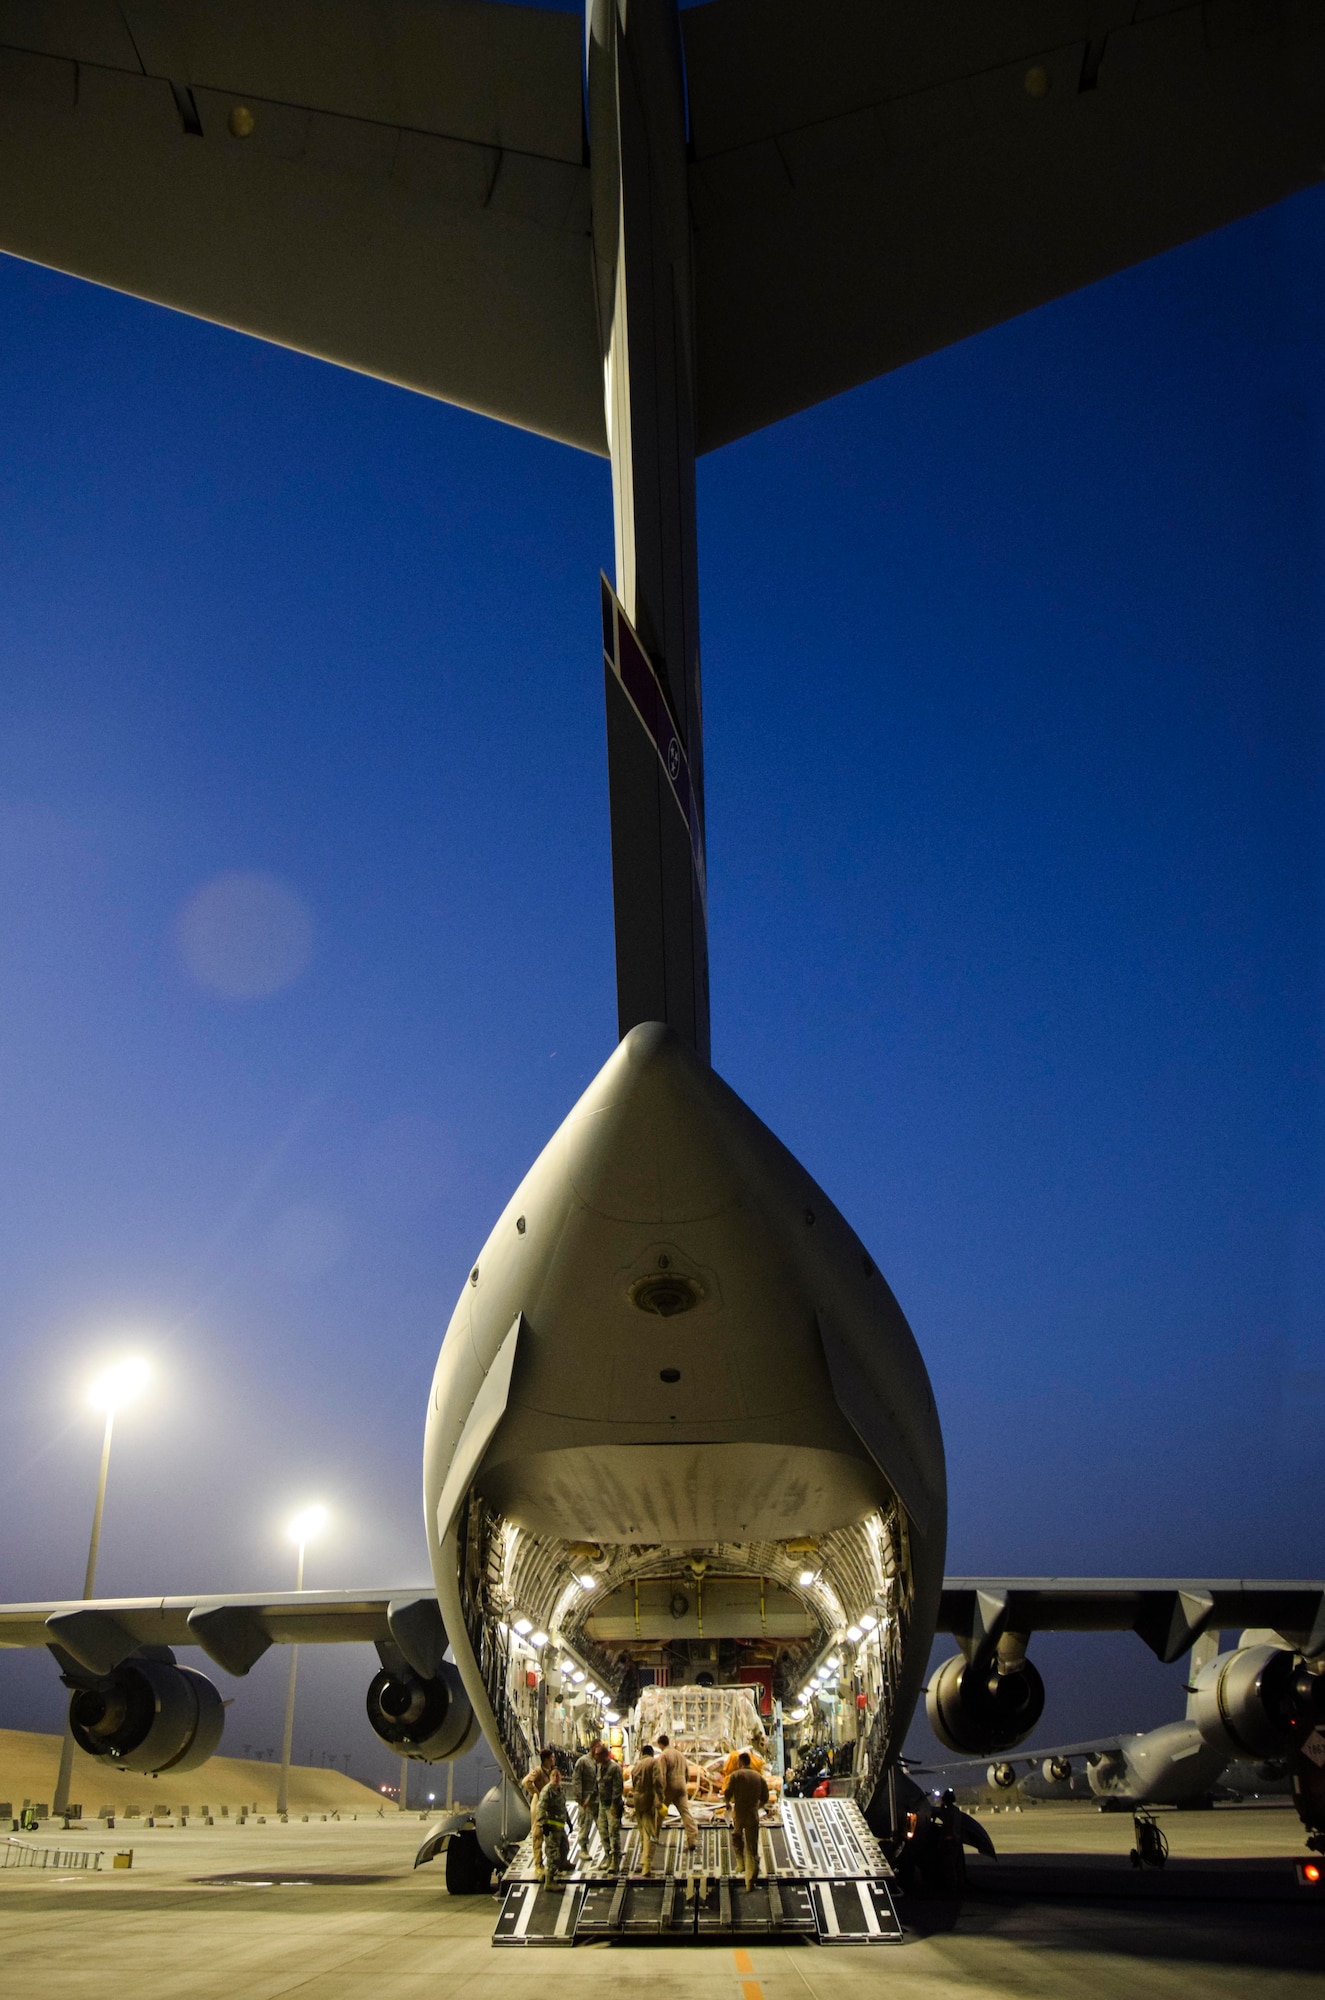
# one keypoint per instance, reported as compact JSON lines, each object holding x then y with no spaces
{"x":308,"y":1524}
{"x":119,"y":1384}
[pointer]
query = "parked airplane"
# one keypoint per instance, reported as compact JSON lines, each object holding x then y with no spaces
{"x":1218,"y":1751}
{"x":679,"y":1426}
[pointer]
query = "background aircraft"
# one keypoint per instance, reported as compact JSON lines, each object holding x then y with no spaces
{"x":195,"y":161}
{"x":1188,"y":1763}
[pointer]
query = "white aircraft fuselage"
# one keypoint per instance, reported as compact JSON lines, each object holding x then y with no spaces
{"x":679,"y":1425}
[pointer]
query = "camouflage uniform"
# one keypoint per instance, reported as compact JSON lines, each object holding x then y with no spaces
{"x":550,"y":1815}
{"x":611,"y":1788}
{"x":532,"y":1783}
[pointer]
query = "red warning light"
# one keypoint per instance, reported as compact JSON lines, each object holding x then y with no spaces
{"x":1309,"y":1871}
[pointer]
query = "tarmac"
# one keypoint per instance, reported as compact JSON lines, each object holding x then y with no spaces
{"x":336,"y":1911}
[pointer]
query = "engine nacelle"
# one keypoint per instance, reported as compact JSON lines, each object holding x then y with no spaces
{"x":978,"y":1709}
{"x":149,"y":1715}
{"x":1001,"y":1777}
{"x":1251,"y":1703}
{"x":1056,"y":1770}
{"x":428,"y":1719}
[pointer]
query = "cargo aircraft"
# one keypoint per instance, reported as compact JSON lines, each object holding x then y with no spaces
{"x":1186,"y":1764}
{"x":679,"y":1429}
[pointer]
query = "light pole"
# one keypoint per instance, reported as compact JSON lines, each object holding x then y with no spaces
{"x":110,"y":1392}
{"x":302,"y":1530}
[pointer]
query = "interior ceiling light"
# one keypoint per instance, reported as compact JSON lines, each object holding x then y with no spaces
{"x":854,"y":1632}
{"x":586,"y":1582}
{"x":579,"y":1677}
{"x":868,"y":1620}
{"x":524,"y":1626}
{"x":806,"y":1578}
{"x":610,"y":1715}
{"x":538,"y":1639}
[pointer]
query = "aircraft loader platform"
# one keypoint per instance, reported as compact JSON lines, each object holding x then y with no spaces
{"x":822,"y":1875}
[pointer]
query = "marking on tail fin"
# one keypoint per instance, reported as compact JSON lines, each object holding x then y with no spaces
{"x":625,"y":656}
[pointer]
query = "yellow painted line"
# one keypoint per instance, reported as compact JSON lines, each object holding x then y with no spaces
{"x":743,"y":1961}
{"x":751,"y":1990}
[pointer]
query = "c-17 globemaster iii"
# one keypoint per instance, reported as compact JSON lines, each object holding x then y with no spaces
{"x":680,"y":1438}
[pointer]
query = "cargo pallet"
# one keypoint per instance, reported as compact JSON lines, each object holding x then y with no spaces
{"x":821,"y":1875}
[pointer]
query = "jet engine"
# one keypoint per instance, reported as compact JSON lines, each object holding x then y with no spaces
{"x":428,"y":1719}
{"x":149,"y":1715}
{"x":1253,"y":1702}
{"x":1056,"y":1771}
{"x":1001,"y":1777}
{"x":978,"y":1707}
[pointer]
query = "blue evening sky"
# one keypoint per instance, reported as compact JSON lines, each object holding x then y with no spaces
{"x":1012,"y":690}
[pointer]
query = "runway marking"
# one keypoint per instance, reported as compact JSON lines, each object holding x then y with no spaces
{"x":742,"y":1961}
{"x":751,"y":1990}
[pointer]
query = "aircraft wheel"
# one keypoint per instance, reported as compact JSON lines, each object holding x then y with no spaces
{"x":468,"y":1870}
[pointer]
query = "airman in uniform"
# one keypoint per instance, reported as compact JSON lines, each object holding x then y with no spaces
{"x":550,"y":1815}
{"x":532,"y":1783}
{"x":746,"y":1792}
{"x":611,"y":1792}
{"x":584,"y":1791}
{"x":675,"y":1773}
{"x":646,"y":1793}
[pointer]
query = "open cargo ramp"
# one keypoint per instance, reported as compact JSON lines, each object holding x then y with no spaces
{"x":822,"y":1875}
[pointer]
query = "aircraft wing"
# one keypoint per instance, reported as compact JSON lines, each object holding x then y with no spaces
{"x":399,"y":186}
{"x":870,"y":183}
{"x":1097,"y":1746}
{"x":1169,"y":1615}
{"x":234,"y":1630}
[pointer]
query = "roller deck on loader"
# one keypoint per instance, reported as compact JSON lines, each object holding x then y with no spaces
{"x":822,"y":1875}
